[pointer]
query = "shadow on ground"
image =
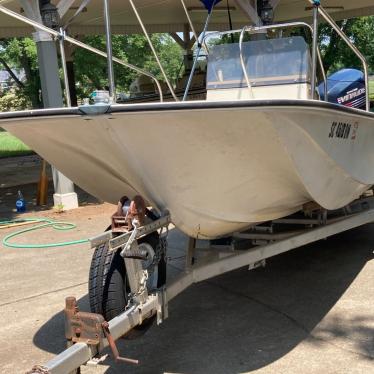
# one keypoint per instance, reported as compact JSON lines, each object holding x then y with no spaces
{"x":246,"y":320}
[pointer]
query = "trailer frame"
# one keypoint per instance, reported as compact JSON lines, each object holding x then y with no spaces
{"x":218,"y":260}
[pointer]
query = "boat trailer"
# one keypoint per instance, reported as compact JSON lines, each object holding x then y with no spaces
{"x":88,"y":334}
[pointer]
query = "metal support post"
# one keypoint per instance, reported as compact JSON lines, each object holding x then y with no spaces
{"x":52,"y":98}
{"x":64,"y":68}
{"x":48,"y":69}
{"x":109,"y":51}
{"x":316,"y":4}
{"x":190,"y":253}
{"x":188,"y":54}
{"x":69,"y":58}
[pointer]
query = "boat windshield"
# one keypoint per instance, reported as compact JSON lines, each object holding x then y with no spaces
{"x":268,"y":62}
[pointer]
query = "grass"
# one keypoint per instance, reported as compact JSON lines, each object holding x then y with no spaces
{"x":371,"y":89}
{"x":371,"y":92}
{"x":10,"y":146}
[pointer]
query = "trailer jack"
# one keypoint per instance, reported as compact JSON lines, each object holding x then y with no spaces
{"x":89,"y":328}
{"x":88,"y":334}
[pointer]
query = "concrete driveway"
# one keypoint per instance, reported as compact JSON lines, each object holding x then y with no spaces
{"x":308,"y":311}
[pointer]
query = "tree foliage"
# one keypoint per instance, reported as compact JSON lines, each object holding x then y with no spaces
{"x":15,"y":100}
{"x":20,"y":53}
{"x":90,"y":69}
{"x":336,"y":54}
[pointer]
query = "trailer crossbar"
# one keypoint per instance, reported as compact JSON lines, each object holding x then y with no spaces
{"x":118,"y":241}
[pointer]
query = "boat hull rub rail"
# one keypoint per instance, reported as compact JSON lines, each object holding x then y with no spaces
{"x":80,"y":353}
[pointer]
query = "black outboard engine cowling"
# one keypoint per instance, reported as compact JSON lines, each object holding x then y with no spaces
{"x":345,"y":87}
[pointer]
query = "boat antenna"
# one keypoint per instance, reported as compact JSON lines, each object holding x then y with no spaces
{"x":230,"y":20}
{"x":209,"y":5}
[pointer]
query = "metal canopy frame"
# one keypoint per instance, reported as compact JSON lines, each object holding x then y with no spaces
{"x":215,"y":263}
{"x":199,"y":47}
{"x":153,"y":50}
{"x":190,"y":21}
{"x":63,"y":37}
{"x":109,"y":51}
{"x":317,"y":9}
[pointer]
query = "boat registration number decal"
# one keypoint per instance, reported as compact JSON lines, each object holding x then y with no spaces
{"x":340,"y":130}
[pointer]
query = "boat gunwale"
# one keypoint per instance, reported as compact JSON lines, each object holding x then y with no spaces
{"x":189,"y":105}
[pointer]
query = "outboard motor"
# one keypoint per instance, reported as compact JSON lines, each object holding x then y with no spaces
{"x":345,"y":87}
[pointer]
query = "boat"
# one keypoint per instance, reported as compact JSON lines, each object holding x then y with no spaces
{"x":270,"y":136}
{"x":261,"y":145}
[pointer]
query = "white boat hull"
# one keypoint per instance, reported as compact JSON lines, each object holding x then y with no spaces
{"x":217,"y":167}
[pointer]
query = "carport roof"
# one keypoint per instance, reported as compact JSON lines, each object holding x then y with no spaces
{"x":168,"y":15}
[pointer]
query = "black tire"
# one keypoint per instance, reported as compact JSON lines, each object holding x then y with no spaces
{"x":108,"y":286}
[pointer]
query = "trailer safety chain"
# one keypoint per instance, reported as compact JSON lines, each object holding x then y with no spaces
{"x":143,"y":283}
{"x":159,"y":253}
{"x":132,"y":296}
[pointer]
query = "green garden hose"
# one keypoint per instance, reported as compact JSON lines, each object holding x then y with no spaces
{"x":57,"y":225}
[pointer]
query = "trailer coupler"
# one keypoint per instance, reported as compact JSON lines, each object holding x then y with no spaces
{"x":89,"y":328}
{"x":88,"y":334}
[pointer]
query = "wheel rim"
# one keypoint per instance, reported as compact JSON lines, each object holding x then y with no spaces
{"x":146,"y":264}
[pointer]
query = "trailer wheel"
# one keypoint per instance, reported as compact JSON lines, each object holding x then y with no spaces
{"x":108,"y":285}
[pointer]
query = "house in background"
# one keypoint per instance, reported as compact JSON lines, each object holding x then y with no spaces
{"x":6,"y":80}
